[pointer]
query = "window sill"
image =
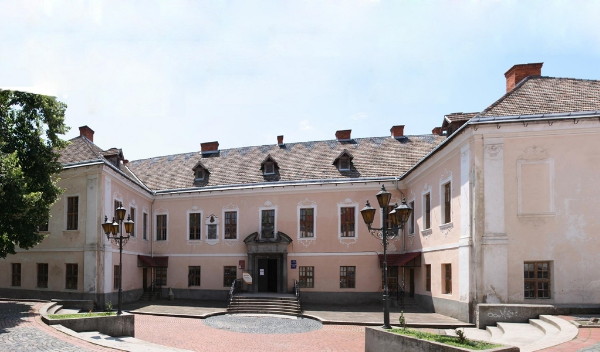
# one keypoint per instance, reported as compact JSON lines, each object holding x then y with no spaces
{"x":426,"y":232}
{"x":446,"y":226}
{"x":311,"y":238}
{"x":71,"y":232}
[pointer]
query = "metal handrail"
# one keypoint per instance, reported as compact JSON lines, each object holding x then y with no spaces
{"x":232,"y":290}
{"x":297,"y":293}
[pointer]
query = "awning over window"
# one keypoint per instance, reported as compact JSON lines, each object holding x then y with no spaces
{"x":148,"y":262}
{"x":400,"y":259}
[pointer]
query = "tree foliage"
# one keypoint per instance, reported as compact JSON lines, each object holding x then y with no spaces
{"x":30,"y":125}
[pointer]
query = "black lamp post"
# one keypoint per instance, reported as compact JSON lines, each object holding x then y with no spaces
{"x":114,"y":233}
{"x":398,"y":217}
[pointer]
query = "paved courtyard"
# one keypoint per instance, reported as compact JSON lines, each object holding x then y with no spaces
{"x":21,"y":329}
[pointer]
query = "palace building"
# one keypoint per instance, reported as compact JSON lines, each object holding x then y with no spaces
{"x":504,"y":211}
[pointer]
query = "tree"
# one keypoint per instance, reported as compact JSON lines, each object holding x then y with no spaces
{"x":29,"y":166}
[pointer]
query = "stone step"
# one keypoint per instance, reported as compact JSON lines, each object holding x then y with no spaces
{"x":55,"y":308}
{"x":265,"y":305}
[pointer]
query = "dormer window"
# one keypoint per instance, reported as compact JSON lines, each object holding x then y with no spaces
{"x":344,"y":164}
{"x":344,"y":161}
{"x":269,"y":166}
{"x":201,"y":174}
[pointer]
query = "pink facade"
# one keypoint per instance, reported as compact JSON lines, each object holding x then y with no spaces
{"x":503,"y":212}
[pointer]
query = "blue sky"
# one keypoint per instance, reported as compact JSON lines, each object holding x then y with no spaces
{"x":161,"y":77}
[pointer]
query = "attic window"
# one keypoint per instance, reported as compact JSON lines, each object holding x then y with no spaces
{"x":344,"y":161}
{"x":344,"y":164}
{"x":269,"y":166}
{"x":200,"y":174}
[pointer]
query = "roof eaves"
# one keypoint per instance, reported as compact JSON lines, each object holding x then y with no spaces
{"x":275,"y":184}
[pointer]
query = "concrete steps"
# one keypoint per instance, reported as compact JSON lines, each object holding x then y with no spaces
{"x":264,"y":305}
{"x":547,"y":331}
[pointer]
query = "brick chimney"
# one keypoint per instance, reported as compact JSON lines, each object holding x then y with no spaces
{"x":209,"y":147}
{"x":437,"y":131}
{"x":343,"y":135}
{"x":279,"y":140}
{"x":397,"y":131}
{"x":518,"y":72}
{"x":85,"y":131}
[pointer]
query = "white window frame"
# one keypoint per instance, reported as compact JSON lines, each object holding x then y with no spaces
{"x":187,"y":227}
{"x":66,"y":210}
{"x":132,"y":205}
{"x":312,"y":206}
{"x":345,"y":160}
{"x":155,"y":222}
{"x":237,"y":227}
{"x":443,"y":182}
{"x":269,"y":165}
{"x":426,"y":231}
{"x":347,"y":204}
{"x":260,"y":209}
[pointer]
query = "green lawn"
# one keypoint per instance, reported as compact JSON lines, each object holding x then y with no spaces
{"x":448,"y":340}
{"x":80,"y":315}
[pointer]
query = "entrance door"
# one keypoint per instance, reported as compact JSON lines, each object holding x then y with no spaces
{"x":145,"y":279}
{"x":267,"y":275}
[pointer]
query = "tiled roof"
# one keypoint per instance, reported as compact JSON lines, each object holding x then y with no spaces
{"x":79,"y":150}
{"x":545,"y":95}
{"x":373,"y":157}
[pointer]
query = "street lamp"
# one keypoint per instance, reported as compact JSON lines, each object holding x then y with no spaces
{"x":114,"y":233}
{"x":389,"y":230}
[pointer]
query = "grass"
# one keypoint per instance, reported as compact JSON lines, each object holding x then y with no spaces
{"x":80,"y":315}
{"x":445,"y":339}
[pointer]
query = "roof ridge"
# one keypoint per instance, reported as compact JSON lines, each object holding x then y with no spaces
{"x":271,"y":145}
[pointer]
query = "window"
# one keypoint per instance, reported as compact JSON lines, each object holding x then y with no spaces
{"x":71,"y":277}
{"x":193,"y":276}
{"x":427,"y":211}
{"x":132,"y":215}
{"x":537,"y":280}
{"x":230,"y":225}
{"x":42,"y":275}
{"x":268,"y":223}
{"x":16,"y":274}
{"x":194,"y":226}
{"x":307,"y":222}
{"x":72,"y":212}
{"x":161,"y":227}
{"x":116,"y":276}
{"x":447,"y":275}
{"x":428,"y":277}
{"x":229,"y":275}
{"x":411,"y":219}
{"x":269,"y":168}
{"x":446,"y":189}
{"x":200,"y":174}
{"x":161,"y":276}
{"x":347,"y":222}
{"x":347,"y":276}
{"x":307,"y":276}
{"x":145,"y":226}
{"x":344,"y":163}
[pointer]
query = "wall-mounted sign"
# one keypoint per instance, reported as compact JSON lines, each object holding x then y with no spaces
{"x":247,"y":278}
{"x":262,"y":272}
{"x":242,"y":264}
{"x":293,"y":263}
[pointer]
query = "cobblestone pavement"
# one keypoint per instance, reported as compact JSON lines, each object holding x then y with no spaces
{"x":21,"y":330}
{"x":195,"y":335}
{"x":263,"y":324}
